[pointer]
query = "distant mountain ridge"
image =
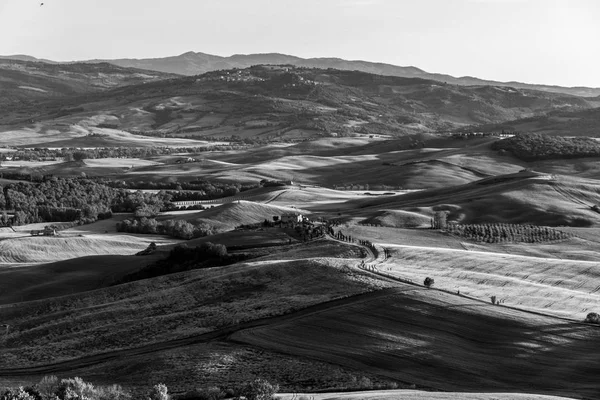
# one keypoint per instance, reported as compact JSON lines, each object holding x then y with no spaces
{"x":195,"y":63}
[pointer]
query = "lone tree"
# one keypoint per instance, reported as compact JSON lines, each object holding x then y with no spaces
{"x":428,"y":282}
{"x":592,"y":318}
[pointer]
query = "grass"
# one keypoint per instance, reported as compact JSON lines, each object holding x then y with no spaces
{"x":444,"y":342}
{"x":40,"y":249}
{"x":566,"y":288}
{"x":35,"y":282}
{"x":527,"y":198}
{"x":404,"y":394}
{"x":220,"y":364}
{"x":170,"y":307}
{"x":230,"y":215}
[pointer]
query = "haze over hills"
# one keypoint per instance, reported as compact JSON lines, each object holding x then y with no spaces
{"x":25,"y":80}
{"x":195,"y":63}
{"x":261,"y":102}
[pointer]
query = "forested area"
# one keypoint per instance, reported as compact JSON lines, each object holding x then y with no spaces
{"x":56,"y":200}
{"x":199,"y":189}
{"x":535,"y":146}
{"x":74,"y":154}
{"x":179,"y":229}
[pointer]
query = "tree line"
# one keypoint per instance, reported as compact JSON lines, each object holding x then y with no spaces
{"x":72,"y":199}
{"x":179,"y":229}
{"x":75,"y":154}
{"x":505,"y":233}
{"x":184,"y":258}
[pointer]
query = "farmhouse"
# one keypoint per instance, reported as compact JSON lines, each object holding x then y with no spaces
{"x":292,"y":218}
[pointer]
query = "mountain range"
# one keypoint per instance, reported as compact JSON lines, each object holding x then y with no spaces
{"x":195,"y":63}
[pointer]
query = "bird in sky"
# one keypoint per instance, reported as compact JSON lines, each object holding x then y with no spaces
{"x":41,"y":4}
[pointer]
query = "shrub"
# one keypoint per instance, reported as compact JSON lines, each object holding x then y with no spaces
{"x":75,"y":389}
{"x":159,"y":392}
{"x":259,"y":389}
{"x":18,"y":394}
{"x":428,"y":282}
{"x":48,"y":387}
{"x":211,"y":393}
{"x":592,"y":318}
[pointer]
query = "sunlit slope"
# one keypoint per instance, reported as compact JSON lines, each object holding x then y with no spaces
{"x":565,"y":288}
{"x":442,"y":341}
{"x":526,"y":198}
{"x":242,"y":212}
{"x":41,"y":249}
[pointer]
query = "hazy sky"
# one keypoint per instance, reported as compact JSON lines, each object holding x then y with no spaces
{"x":538,"y":41}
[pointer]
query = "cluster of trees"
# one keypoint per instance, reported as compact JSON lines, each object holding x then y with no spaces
{"x":179,"y":229}
{"x":503,"y":233}
{"x":51,"y":388}
{"x":75,"y":154}
{"x":70,"y":154}
{"x":535,"y":146}
{"x":73,"y":199}
{"x":184,"y":258}
{"x":197,"y":190}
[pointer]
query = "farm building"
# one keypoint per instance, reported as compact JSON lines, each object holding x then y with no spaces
{"x":292,"y":218}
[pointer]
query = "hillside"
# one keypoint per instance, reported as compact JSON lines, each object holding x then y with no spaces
{"x":22,"y":80}
{"x":443,"y":342}
{"x":281,"y":103}
{"x":555,"y":123}
{"x":230,"y":215}
{"x":521,"y":198}
{"x":195,"y":63}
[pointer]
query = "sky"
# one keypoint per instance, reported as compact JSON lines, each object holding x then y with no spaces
{"x":535,"y":41}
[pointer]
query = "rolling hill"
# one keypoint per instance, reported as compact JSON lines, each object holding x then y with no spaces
{"x":443,"y":342}
{"x":557,"y":123}
{"x":269,"y":103}
{"x":521,"y":198}
{"x":195,"y":63}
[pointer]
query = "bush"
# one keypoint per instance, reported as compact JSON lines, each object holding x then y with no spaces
{"x":47,"y":387}
{"x":75,"y":389}
{"x":259,"y":389}
{"x":159,"y":392}
{"x":211,"y":393}
{"x":428,"y":282}
{"x":592,"y":318}
{"x":18,"y":394}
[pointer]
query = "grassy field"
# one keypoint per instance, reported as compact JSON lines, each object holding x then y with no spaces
{"x":242,"y":212}
{"x":39,"y":249}
{"x":171,"y":307}
{"x":43,"y":281}
{"x":566,"y":288}
{"x":441,"y":341}
{"x":527,"y":198}
{"x":220,"y":364}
